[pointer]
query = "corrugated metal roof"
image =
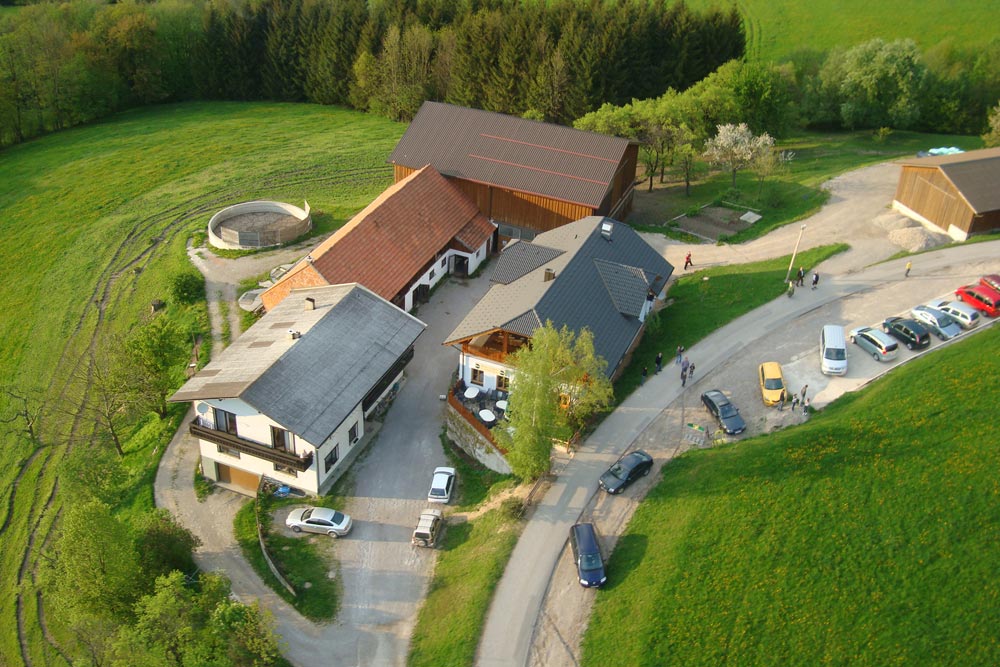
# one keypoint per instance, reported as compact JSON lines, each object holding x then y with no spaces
{"x":976,"y":175}
{"x":513,"y":153}
{"x":600,"y":284}
{"x":352,"y":339}
{"x":519,"y":258}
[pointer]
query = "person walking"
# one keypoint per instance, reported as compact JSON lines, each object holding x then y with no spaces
{"x":691,"y":370}
{"x":680,"y":354}
{"x":805,"y":407}
{"x":659,"y":361}
{"x":781,"y":401}
{"x":645,"y":372}
{"x":795,"y":402}
{"x":687,"y":261}
{"x":909,"y":265}
{"x":815,"y":280}
{"x":791,"y":288}
{"x":805,"y":388}
{"x":684,"y":375}
{"x":801,"y":277}
{"x":685,"y":365}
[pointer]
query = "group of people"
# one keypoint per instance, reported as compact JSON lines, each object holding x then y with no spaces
{"x":800,"y":281}
{"x":796,"y":400}
{"x":687,"y":366}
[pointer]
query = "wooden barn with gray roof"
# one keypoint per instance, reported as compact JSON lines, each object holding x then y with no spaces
{"x":526,"y":176}
{"x":595,"y":273}
{"x":958,"y":194}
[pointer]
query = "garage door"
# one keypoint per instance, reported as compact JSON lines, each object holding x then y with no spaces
{"x":240,"y":479}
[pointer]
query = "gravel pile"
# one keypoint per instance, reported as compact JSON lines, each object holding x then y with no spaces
{"x":915,"y":239}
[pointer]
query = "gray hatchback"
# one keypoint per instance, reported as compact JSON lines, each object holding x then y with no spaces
{"x":875,"y":343}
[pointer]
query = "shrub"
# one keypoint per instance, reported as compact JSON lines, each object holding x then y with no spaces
{"x":188,"y":287}
{"x":881,"y":134}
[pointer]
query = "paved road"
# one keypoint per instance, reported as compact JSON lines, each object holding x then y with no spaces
{"x":856,"y":208}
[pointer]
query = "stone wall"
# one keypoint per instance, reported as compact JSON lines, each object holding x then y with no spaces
{"x":463,"y":434}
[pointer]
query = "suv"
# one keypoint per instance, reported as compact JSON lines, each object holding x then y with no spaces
{"x":429,"y":527}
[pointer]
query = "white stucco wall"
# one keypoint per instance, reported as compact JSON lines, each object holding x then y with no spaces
{"x":491,"y":369}
{"x":441,"y":268}
{"x":255,"y":426}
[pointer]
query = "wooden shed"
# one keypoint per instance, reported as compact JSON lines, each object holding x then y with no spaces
{"x":527,"y":177}
{"x":958,"y":194}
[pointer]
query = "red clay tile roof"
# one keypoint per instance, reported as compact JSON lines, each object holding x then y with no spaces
{"x":513,"y":153}
{"x":385,"y":246}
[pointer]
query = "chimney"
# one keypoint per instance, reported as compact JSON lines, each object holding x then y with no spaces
{"x":310,"y":303}
{"x":549,"y":275}
{"x":606,"y":229}
{"x":293,"y":334}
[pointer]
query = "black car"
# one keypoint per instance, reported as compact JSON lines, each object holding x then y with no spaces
{"x":727,"y":413}
{"x":626,"y":470}
{"x":910,"y":333}
{"x":587,"y":555}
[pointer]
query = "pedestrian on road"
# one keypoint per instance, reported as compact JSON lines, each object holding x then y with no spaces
{"x":645,"y":372}
{"x":684,"y":376}
{"x":805,"y":388}
{"x":685,"y":365}
{"x":781,"y":401}
{"x":791,"y":288}
{"x":680,"y":353}
{"x":815,"y":280}
{"x":805,"y":407}
{"x":687,"y":261}
{"x":909,"y":265}
{"x":691,"y":370}
{"x":801,"y":277}
{"x":659,"y":361}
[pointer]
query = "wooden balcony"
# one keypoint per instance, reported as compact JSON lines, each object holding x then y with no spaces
{"x":251,"y":448}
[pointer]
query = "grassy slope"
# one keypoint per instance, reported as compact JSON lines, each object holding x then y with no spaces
{"x":869,"y":535}
{"x":778,"y":28}
{"x":82,"y":206}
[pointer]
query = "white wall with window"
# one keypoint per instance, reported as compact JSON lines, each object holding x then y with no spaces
{"x":484,"y":373}
{"x":440,"y":268}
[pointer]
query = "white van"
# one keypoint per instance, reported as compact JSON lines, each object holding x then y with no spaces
{"x":833,"y":350}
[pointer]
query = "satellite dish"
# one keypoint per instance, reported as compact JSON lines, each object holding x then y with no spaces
{"x":202,"y":408}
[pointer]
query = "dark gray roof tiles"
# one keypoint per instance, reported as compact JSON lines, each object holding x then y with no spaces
{"x":519,"y":259}
{"x":600,"y":284}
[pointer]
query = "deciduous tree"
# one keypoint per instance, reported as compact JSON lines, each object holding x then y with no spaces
{"x":735,"y":147}
{"x":992,"y":136}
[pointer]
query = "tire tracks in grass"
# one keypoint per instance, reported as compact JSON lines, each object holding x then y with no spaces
{"x":167,"y":224}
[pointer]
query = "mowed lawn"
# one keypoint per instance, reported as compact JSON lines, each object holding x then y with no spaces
{"x":778,"y":28}
{"x":870,"y":536}
{"x":93,"y":222}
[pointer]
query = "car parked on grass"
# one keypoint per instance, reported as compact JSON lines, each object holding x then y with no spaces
{"x":442,"y":484}
{"x":875,"y":343}
{"x":940,"y":323}
{"x":626,"y":470}
{"x":772,"y":382}
{"x":909,"y":332}
{"x":724,"y":411}
{"x":981,"y":298}
{"x":587,"y":555}
{"x":319,"y":520}
{"x":991,"y":281}
{"x":963,"y":313}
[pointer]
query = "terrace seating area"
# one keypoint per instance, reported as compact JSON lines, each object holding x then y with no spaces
{"x":489,"y":406}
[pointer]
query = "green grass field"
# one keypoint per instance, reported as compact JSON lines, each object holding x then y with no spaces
{"x":869,"y":535}
{"x":93,"y":222}
{"x":777,"y":29}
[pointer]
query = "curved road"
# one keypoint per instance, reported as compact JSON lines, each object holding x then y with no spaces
{"x":852,"y":291}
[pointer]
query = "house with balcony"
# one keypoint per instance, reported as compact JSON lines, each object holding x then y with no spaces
{"x":595,"y":272}
{"x":289,"y":398}
{"x":417,"y":231}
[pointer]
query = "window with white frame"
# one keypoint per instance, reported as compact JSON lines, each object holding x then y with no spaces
{"x":352,"y":437}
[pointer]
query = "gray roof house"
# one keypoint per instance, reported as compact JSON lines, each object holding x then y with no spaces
{"x":287,"y":400}
{"x":595,"y":273}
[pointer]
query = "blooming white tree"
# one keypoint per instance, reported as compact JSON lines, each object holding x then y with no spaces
{"x":735,"y":147}
{"x":992,"y":136}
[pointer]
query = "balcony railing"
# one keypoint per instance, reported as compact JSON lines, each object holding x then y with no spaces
{"x":300,"y":463}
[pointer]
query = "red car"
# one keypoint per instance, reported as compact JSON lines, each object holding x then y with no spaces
{"x":981,"y":298}
{"x":992,"y":281}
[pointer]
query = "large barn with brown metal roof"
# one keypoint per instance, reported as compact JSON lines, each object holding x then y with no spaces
{"x":527,"y":177}
{"x":959,"y":194}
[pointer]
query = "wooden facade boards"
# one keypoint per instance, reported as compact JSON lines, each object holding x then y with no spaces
{"x":927,"y":192}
